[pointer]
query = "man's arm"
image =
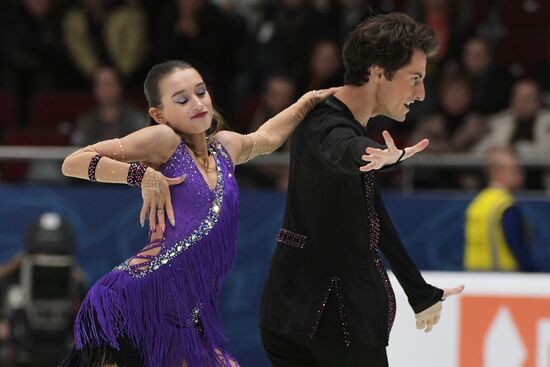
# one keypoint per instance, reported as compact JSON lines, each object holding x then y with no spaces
{"x":340,"y":146}
{"x":346,"y":151}
{"x":420,"y":294}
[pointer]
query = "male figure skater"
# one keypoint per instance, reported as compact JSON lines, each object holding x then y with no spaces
{"x":328,"y":300}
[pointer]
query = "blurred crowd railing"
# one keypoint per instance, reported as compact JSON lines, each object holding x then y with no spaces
{"x":409,"y":169}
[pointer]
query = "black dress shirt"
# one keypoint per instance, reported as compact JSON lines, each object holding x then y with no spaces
{"x":334,"y":225}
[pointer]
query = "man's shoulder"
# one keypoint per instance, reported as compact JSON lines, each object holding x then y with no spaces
{"x":324,"y":116}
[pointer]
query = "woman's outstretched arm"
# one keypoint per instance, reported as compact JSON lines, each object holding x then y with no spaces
{"x":274,"y":132}
{"x":106,"y":161}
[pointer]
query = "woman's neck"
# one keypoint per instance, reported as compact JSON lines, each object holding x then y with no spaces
{"x":198,"y":144}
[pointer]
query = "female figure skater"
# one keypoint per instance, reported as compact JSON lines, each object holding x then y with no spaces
{"x":160,"y":307}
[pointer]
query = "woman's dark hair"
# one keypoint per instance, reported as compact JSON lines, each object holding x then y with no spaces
{"x":387,"y":41}
{"x":152,"y":92}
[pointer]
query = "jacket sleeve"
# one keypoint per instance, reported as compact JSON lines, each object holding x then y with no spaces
{"x":420,"y":294}
{"x":340,"y":146}
{"x":512,"y":225}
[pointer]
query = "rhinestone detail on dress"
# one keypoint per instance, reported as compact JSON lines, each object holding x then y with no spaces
{"x":201,"y":231}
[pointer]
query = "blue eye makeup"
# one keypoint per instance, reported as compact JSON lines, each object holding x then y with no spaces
{"x":201,"y":90}
{"x":181,"y":100}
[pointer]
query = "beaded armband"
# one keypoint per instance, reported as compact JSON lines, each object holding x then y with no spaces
{"x":92,"y":167}
{"x":136,"y":173}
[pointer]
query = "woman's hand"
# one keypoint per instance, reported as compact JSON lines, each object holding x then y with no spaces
{"x":155,"y":191}
{"x":316,"y":96}
{"x":428,"y":318}
{"x":379,"y":158}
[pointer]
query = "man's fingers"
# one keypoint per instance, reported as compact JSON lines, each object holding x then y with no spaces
{"x":448,"y":292}
{"x":368,"y":167}
{"x":418,"y":147}
{"x":389,"y":140}
{"x":436,"y":318}
{"x":375,"y":151}
{"x":429,"y":326}
{"x":421,"y":145}
{"x":420,"y":324}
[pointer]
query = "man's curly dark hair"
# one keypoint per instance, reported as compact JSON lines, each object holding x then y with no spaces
{"x":387,"y":41}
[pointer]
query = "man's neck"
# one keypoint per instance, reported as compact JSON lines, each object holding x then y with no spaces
{"x":360,"y":101}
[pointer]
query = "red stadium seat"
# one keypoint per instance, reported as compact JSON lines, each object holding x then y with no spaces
{"x":526,"y":41}
{"x":16,"y":171}
{"x":49,"y":109}
{"x":7,"y":109}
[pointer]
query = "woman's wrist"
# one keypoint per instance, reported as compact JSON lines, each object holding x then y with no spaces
{"x":150,"y":180}
{"x":136,"y":173}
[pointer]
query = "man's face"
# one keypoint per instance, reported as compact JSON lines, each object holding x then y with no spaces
{"x":394,"y":97}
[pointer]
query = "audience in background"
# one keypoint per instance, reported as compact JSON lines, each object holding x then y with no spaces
{"x":58,"y":44}
{"x":198,"y":32}
{"x":491,"y":83}
{"x":113,"y":115}
{"x":453,"y":126}
{"x":103,"y":32}
{"x":325,"y":67}
{"x":495,"y":236}
{"x":278,"y":93}
{"x":451,"y":19}
{"x":525,"y":125}
{"x":344,"y":15}
{"x":284,"y":38}
{"x":32,"y":53}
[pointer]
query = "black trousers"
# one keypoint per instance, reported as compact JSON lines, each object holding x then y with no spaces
{"x":285,"y":351}
{"x":326,"y":349}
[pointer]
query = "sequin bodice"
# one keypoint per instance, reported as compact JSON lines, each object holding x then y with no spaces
{"x":193,"y":201}
{"x":197,"y":208}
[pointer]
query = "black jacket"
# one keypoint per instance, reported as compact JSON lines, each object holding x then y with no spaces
{"x":334,"y":224}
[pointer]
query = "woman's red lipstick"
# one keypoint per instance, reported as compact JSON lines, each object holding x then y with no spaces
{"x":199,"y":115}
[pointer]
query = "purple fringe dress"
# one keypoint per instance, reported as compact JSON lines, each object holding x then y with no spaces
{"x":165,"y":311}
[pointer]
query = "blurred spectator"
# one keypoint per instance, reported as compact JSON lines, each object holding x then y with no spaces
{"x":31,"y":50}
{"x":541,"y":74}
{"x":344,"y":15}
{"x":494,"y":229}
{"x":453,"y":127}
{"x":451,"y":19}
{"x":525,"y":125}
{"x":279,"y":93}
{"x":201,"y":34}
{"x":113,"y":116}
{"x":284,"y":38}
{"x":102,"y":32}
{"x":325,"y":67}
{"x":491,"y":82}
